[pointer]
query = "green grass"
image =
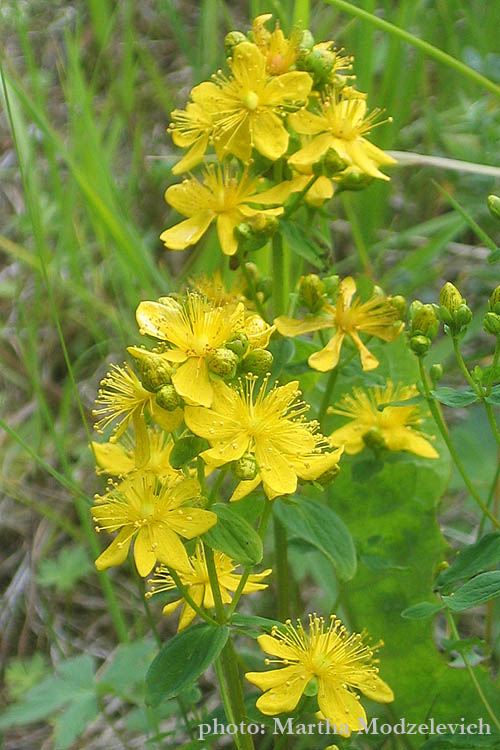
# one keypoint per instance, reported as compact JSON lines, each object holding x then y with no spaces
{"x":87,"y":91}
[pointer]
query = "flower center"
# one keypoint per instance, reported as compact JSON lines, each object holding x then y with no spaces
{"x":147,"y":510}
{"x":251,"y":100}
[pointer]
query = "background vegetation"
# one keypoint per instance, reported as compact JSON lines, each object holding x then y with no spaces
{"x":87,"y":91}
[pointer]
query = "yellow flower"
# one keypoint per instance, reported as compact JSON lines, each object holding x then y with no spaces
{"x":395,"y":425}
{"x":249,"y":105}
{"x":122,"y":397}
{"x":375,"y":317}
{"x":221,"y":197}
{"x":197,"y":582}
{"x":269,"y":428}
{"x":192,"y":128}
{"x":120,"y":458}
{"x":280,"y":53}
{"x":194,"y":329}
{"x":340,"y":125}
{"x":337,"y":662}
{"x":215,"y":291}
{"x":156,"y":514}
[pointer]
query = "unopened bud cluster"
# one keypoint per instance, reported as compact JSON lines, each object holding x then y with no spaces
{"x":423,"y":327}
{"x":453,"y":310}
{"x":491,"y":322}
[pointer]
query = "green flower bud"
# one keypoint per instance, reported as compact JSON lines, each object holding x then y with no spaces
{"x":491,"y":324}
{"x":311,"y":291}
{"x":463,"y":316}
{"x":436,"y":373}
{"x":255,"y":232}
{"x":223,"y":362}
{"x":245,"y":468}
{"x":319,"y":64}
{"x":494,"y":205}
{"x":153,"y":369}
{"x":329,"y":165}
{"x":420,"y":344}
{"x":238,"y":343}
{"x":495,"y":299}
{"x":425,"y":322}
{"x":232,"y":40}
{"x":306,"y":40}
{"x":398,"y":302}
{"x":168,"y":398}
{"x":265,"y":287}
{"x":253,"y":271}
{"x":415,"y":305}
{"x":450,"y":298}
{"x":258,"y":362}
{"x":374,"y":439}
{"x":331,"y":284}
{"x":353,"y":179}
{"x":328,"y":476}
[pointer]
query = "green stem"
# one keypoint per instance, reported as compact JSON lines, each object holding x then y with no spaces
{"x":253,"y":291}
{"x":224,"y":693}
{"x":494,"y":365}
{"x":472,"y":675}
{"x":244,"y":578}
{"x":327,"y":395}
{"x":364,"y":258}
{"x":451,"y":448}
{"x":420,"y":44}
{"x":281,"y":569}
{"x":214,"y":585}
{"x":186,"y":596}
{"x":491,"y":494}
{"x":297,"y":201}
{"x":215,"y":487}
{"x":278,"y":275}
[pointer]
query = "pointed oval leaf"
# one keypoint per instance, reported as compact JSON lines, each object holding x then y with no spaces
{"x":182,"y":660}
{"x":317,"y":524}
{"x":421,"y":611}
{"x":476,"y":591}
{"x":451,"y":397}
{"x":234,"y":536}
{"x":474,"y":559}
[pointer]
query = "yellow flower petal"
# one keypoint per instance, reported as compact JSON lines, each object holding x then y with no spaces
{"x":168,"y":420}
{"x":314,"y":466}
{"x":191,"y":522}
{"x":244,"y":488}
{"x":187,"y":232}
{"x":183,"y":491}
{"x":275,"y":647}
{"x":312,"y":152}
{"x":193,"y":156}
{"x":112,"y":458}
{"x":347,"y":290}
{"x":274,"y":469}
{"x":320,"y":191}
{"x":306,"y":123}
{"x":201,"y":422}
{"x":222,"y":452}
{"x":290,"y":327}
{"x":368,"y":360}
{"x":284,"y":688}
{"x":188,"y":614}
{"x":191,"y":381}
{"x":144,"y":556}
{"x":328,"y":357}
{"x":117,"y":551}
{"x":269,"y":135}
{"x":169,"y":549}
{"x":376,"y":689}
{"x":169,"y":608}
{"x":226,"y":223}
{"x":406,"y":439}
{"x":350,"y":436}
{"x":339,"y":705}
{"x":294,"y":86}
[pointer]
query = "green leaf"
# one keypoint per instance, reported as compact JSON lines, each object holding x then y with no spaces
{"x":317,"y":524}
{"x":301,"y":243}
{"x":451,"y":397}
{"x":472,"y":560}
{"x":476,"y":591}
{"x":23,"y":674}
{"x":42,"y":700}
{"x":234,"y":536}
{"x":463,"y":742}
{"x":185,"y":450}
{"x":494,"y":256}
{"x":494,"y":397}
{"x":182,"y":660}
{"x":128,"y":666}
{"x":406,"y":402}
{"x":421,"y":611}
{"x":253,"y":625}
{"x":71,"y":565}
{"x":73,"y":720}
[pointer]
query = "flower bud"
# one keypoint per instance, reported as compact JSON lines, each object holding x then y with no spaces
{"x":320,"y":63}
{"x":374,"y":439}
{"x":255,"y":232}
{"x":436,"y":373}
{"x":238,"y":343}
{"x":463,"y":316}
{"x":258,"y":362}
{"x":232,"y":40}
{"x":329,"y":165}
{"x":265,"y":288}
{"x":168,"y":398}
{"x":398,"y":302}
{"x":153,"y":369}
{"x":425,"y":322}
{"x":491,"y":324}
{"x":311,"y":291}
{"x":223,"y":362}
{"x":415,"y":305}
{"x":494,"y":205}
{"x":450,"y":298}
{"x":306,"y":40}
{"x":353,"y":179}
{"x":494,"y":303}
{"x":331,"y":284}
{"x":420,"y":345}
{"x":245,"y":468}
{"x":258,"y":331}
{"x":328,"y":476}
